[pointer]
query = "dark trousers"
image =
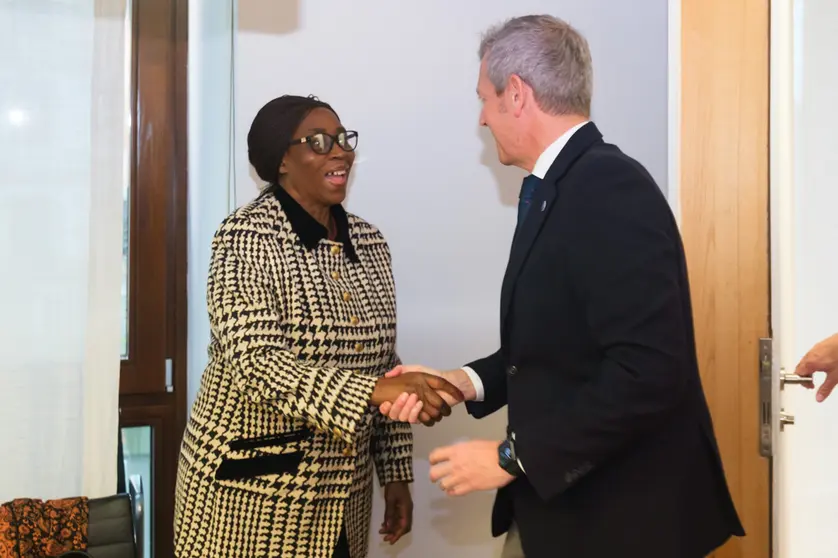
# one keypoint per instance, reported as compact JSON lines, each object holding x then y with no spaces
{"x":342,"y":547}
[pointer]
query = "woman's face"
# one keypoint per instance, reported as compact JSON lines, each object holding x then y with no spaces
{"x":318,"y":178}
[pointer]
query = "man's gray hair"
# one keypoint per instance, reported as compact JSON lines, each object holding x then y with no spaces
{"x":549,"y":55}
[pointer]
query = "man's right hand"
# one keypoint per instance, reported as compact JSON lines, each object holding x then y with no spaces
{"x":431,"y":395}
{"x":407,"y":407}
{"x":823,"y":357}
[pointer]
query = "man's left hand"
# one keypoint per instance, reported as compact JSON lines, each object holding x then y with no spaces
{"x":468,"y":466}
{"x":398,"y":512}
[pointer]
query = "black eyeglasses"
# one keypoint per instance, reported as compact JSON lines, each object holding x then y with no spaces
{"x":322,"y":142}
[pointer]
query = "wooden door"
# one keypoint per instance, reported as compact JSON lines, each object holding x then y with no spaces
{"x":724,"y":191}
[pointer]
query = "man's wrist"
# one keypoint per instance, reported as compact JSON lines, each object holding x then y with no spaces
{"x":460,"y":379}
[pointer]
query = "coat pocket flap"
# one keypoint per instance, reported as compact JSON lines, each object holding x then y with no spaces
{"x":233,"y":469}
{"x":270,"y":440}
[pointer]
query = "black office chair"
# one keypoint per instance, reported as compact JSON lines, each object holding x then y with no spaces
{"x":115,"y":525}
{"x":110,"y":528}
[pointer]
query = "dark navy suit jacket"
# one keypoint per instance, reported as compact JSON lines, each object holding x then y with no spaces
{"x":598,"y":368}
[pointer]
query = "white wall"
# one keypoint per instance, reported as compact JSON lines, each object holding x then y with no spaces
{"x":404,"y":75}
{"x":805,"y":269}
{"x":211,"y":180}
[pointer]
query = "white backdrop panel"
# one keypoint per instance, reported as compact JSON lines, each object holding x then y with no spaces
{"x":404,"y":75}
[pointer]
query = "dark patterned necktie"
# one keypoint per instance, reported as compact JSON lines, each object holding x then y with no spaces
{"x":528,"y":187}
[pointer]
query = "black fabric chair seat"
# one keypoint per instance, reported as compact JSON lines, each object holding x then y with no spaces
{"x":110,"y":531}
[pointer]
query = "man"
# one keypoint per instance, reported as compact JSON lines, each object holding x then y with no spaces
{"x":823,"y":357}
{"x":610,"y":449}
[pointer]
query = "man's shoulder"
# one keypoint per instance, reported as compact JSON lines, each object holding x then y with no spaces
{"x":606,"y":160}
{"x":603,"y":169}
{"x":607,"y":180}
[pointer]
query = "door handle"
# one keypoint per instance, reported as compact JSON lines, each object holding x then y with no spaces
{"x":793,"y":379}
{"x":786,"y":419}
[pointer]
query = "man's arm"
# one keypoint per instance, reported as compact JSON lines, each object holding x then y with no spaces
{"x":626,"y":264}
{"x":465,"y":379}
{"x":488,"y":376}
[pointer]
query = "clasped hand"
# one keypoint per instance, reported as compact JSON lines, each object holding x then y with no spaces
{"x":461,"y":468}
{"x":427,"y":397}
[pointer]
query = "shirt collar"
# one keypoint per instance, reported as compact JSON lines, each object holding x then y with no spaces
{"x":548,"y":157}
{"x":310,"y":231}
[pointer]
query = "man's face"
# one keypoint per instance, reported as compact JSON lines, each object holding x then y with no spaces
{"x":496,"y":117}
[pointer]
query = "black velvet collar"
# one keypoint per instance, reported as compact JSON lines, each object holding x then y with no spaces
{"x":308,"y":229}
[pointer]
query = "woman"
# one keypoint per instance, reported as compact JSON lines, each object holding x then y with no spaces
{"x":278,"y":454}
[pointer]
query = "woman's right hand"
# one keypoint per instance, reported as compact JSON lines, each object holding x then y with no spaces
{"x":430,"y":405}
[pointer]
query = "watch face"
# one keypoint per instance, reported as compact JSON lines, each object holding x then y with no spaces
{"x":505,"y":455}
{"x":507,"y":459}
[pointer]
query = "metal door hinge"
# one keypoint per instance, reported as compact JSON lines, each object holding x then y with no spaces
{"x":785,"y":419}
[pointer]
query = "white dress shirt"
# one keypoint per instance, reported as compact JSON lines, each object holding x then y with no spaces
{"x":542,"y":165}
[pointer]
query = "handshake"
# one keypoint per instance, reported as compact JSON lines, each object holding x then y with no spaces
{"x":414,"y":393}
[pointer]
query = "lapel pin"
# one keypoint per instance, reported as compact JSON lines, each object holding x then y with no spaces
{"x":543,"y":205}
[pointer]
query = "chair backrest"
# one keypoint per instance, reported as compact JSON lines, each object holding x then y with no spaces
{"x":136,"y":490}
{"x":110,"y":530}
{"x":112,"y":524}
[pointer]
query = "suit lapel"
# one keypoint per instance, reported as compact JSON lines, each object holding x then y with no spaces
{"x":543,"y":201}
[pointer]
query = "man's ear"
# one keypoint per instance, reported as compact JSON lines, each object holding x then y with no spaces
{"x":516,"y":91}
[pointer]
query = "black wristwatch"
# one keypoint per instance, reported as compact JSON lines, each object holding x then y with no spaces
{"x":507,"y":458}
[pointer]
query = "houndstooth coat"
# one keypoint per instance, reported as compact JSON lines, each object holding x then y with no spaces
{"x":279,"y":448}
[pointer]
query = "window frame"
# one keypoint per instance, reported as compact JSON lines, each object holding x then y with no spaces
{"x":153,"y":377}
{"x":157,"y":199}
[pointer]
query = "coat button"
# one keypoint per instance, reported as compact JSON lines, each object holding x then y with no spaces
{"x":335,"y":249}
{"x":512,"y":370}
{"x":335,"y":275}
{"x":354,"y":320}
{"x":346,"y":296}
{"x":359,"y":347}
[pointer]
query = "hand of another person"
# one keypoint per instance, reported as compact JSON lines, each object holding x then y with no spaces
{"x":425,"y":390}
{"x":468,"y":466}
{"x":823,"y":357}
{"x":398,"y":512}
{"x":407,"y":408}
